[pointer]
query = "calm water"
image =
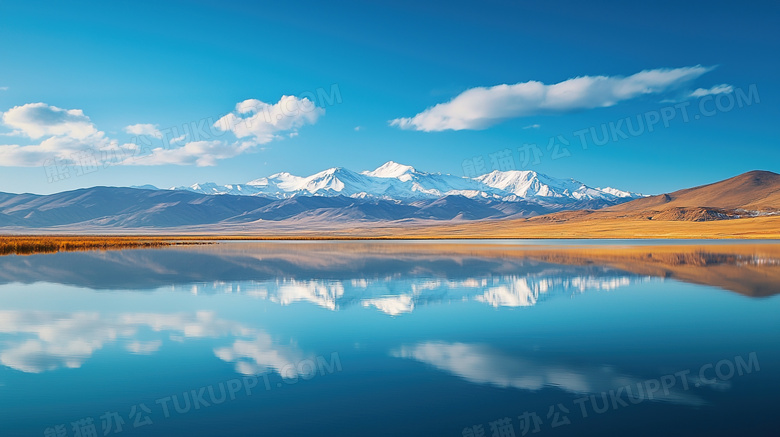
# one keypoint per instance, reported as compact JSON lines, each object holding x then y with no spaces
{"x":404,"y":339}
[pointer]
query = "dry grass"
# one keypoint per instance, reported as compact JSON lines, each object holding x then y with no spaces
{"x":26,"y":245}
{"x":767,"y":227}
{"x":607,"y":228}
{"x":580,"y":227}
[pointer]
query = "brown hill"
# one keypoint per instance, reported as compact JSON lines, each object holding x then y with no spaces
{"x":752,"y":191}
{"x":750,"y":194}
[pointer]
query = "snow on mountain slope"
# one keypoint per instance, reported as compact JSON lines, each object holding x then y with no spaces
{"x":392,"y":169}
{"x":284,"y":181}
{"x":525,"y":184}
{"x":529,"y":183}
{"x":338,"y":181}
{"x":394,"y":181}
{"x":619,"y":193}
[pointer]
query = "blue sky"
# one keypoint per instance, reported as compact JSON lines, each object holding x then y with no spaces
{"x":104,"y":79}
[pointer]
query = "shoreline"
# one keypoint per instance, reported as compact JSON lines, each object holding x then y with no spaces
{"x":31,"y":245}
{"x":764,"y":228}
{"x":746,"y":229}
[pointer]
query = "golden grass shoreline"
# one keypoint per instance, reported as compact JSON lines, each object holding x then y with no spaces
{"x":27,"y":245}
{"x":767,"y":228}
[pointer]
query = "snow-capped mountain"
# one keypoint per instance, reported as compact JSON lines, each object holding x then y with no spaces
{"x":392,"y":169}
{"x":525,"y":184}
{"x":391,"y":193}
{"x":394,"y":181}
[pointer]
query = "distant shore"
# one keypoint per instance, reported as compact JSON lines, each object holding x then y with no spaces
{"x":746,"y":228}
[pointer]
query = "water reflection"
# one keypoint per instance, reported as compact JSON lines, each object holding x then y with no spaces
{"x":322,"y":272}
{"x":44,"y":341}
{"x":499,"y":328}
{"x":395,"y":296}
{"x":392,"y":278}
{"x":483,"y":364}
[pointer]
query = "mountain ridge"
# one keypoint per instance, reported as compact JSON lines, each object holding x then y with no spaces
{"x":750,"y":194}
{"x":111,"y":209}
{"x":397,"y":181}
{"x":755,"y":190}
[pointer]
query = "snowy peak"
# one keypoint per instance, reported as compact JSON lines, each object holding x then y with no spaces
{"x":276,"y":179}
{"x":398,"y":182}
{"x":530,"y":183}
{"x":333,"y":179}
{"x":391,"y":169}
{"x":206,"y":188}
{"x":619,"y":193}
{"x":513,"y":181}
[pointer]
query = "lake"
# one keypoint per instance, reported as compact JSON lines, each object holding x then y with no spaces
{"x":482,"y":338}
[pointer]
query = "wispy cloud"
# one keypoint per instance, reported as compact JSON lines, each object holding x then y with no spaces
{"x":717,"y":89}
{"x":481,"y":107}
{"x":199,"y":153}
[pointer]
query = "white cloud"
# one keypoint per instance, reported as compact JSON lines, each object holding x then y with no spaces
{"x":200,"y":153}
{"x":532,"y":126}
{"x":3,"y":88}
{"x":265,"y":122}
{"x":357,"y":128}
{"x":14,"y":155}
{"x":144,"y":129}
{"x":67,"y":148}
{"x":480,"y":108}
{"x":70,"y":134}
{"x":37,"y":120}
{"x":717,"y":89}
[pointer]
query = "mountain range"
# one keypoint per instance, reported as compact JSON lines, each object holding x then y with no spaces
{"x":385,"y":200}
{"x":391,"y":193}
{"x":393,"y":181}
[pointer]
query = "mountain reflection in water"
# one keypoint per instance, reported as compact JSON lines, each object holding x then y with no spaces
{"x":398,"y":275}
{"x":483,"y":330}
